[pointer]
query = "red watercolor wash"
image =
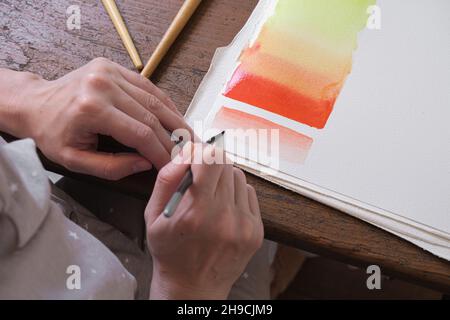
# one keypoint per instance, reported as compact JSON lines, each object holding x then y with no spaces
{"x":294,"y":146}
{"x":282,"y":100}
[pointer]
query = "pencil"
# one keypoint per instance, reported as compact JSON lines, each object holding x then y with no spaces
{"x":116,"y":18}
{"x":181,"y":19}
{"x":185,"y":183}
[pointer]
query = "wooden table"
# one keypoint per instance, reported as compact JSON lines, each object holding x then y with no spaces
{"x":34,"y":37}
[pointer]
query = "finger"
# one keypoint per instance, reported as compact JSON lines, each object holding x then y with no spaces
{"x":240,"y":189}
{"x":145,"y":84}
{"x":105,"y":165}
{"x":134,"y":134}
{"x":168,"y":118}
{"x":253,"y":201}
{"x":206,"y":176}
{"x":166,"y":184}
{"x":225,"y":186}
{"x":132,"y":108}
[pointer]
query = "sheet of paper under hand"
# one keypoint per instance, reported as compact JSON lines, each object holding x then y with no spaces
{"x":356,"y":94}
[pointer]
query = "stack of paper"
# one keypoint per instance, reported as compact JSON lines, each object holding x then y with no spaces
{"x":346,"y":102}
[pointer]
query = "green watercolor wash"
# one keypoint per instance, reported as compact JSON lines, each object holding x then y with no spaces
{"x":337,"y":22}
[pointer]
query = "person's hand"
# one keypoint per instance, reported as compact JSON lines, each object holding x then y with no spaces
{"x":201,"y":250}
{"x":103,"y":98}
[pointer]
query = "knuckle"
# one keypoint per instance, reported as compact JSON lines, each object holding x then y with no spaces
{"x":143,"y":79}
{"x":154,"y":235}
{"x":108,"y":171}
{"x":167,"y":100}
{"x":165,"y":176}
{"x":86,"y":104}
{"x":257,"y":242}
{"x":143,"y":132}
{"x":190,"y":223}
{"x":251,"y":233}
{"x":100,"y":64}
{"x":251,"y":189}
{"x":31,"y":76}
{"x":238,"y":173}
{"x":97,"y":80}
{"x":145,"y":82}
{"x":227,"y":233}
{"x":247,"y":232}
{"x":151,"y":120}
{"x":258,"y":238}
{"x":152,"y":103}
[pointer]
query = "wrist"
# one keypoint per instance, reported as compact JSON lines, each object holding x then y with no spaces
{"x":164,"y":287}
{"x":19,"y":99}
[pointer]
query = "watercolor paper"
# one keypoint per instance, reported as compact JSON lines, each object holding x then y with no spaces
{"x":362,"y":114}
{"x":300,"y":59}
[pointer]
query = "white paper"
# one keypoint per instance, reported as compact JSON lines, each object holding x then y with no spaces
{"x":384,"y":155}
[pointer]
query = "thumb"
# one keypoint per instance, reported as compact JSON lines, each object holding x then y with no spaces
{"x":169,"y":177}
{"x":110,"y":166}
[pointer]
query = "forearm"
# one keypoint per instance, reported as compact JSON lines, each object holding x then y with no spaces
{"x":17,"y":99}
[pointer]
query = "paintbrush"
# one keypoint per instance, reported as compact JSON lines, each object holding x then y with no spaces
{"x":116,"y":18}
{"x":185,"y":183}
{"x":182,"y":18}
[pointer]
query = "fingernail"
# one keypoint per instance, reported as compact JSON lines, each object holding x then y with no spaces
{"x":142,"y":166}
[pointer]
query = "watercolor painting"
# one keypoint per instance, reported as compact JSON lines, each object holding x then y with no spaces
{"x":300,"y":59}
{"x":352,"y":120}
{"x":295,"y":146}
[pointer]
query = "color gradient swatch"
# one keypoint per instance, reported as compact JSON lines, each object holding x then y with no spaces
{"x":301,"y":58}
{"x":292,"y":146}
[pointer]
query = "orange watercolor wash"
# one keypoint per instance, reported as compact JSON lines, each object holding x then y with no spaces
{"x":277,"y":98}
{"x":293,"y":147}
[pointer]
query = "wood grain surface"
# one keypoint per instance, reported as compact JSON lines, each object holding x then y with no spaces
{"x":34,"y":37}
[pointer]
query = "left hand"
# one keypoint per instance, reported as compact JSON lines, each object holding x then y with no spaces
{"x":65,"y":117}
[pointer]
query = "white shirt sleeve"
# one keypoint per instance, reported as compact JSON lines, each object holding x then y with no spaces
{"x":43,"y":254}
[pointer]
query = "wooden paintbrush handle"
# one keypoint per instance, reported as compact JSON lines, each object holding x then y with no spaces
{"x":116,"y":18}
{"x":181,"y":19}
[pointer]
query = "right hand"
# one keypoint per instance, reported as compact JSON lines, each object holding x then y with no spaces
{"x":205,"y":246}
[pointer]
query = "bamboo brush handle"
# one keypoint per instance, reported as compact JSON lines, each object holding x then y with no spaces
{"x":180,"y":21}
